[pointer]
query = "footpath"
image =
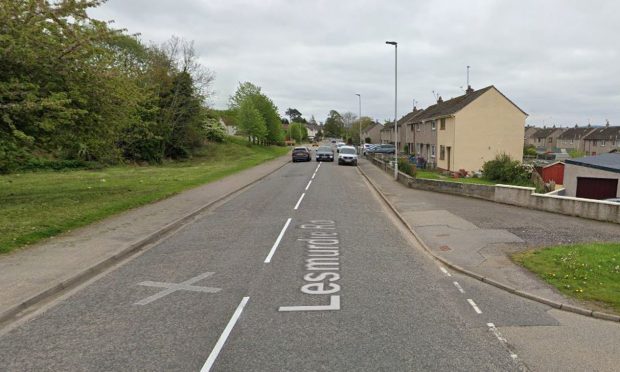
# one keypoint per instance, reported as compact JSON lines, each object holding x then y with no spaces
{"x":476,"y":236}
{"x":35,"y":274}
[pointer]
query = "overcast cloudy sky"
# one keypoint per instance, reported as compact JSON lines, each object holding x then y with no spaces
{"x":558,"y":60}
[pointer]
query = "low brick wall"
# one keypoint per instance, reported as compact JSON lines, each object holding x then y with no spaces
{"x":514,"y":195}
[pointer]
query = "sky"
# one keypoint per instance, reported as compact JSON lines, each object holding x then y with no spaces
{"x":559,"y":61}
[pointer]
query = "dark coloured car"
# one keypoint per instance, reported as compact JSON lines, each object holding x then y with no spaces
{"x":382,"y":149}
{"x":324,"y":153}
{"x":301,"y":154}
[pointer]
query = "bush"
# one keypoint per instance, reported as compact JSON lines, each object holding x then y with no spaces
{"x":504,"y":169}
{"x":406,"y":167}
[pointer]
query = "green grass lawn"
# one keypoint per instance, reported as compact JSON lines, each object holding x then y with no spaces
{"x":588,"y":272}
{"x":34,"y":206}
{"x":430,"y":175}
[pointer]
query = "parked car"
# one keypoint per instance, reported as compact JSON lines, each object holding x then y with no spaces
{"x":368,"y":146}
{"x":301,"y":154}
{"x":324,"y":153}
{"x":339,"y":145}
{"x":347,"y":155}
{"x":382,"y":149}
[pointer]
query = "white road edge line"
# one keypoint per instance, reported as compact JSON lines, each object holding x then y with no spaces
{"x":501,"y":339}
{"x":473,"y":304}
{"x":299,"y":201}
{"x":314,"y":175}
{"x":443,"y":269}
{"x":222,"y":340}
{"x":458,"y":286}
{"x":275,"y":245}
{"x":308,"y":186}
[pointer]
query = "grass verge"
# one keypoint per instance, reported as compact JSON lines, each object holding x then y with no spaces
{"x":587,"y":272}
{"x":35,"y":206}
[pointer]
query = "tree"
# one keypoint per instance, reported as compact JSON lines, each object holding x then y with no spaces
{"x":251,"y":122}
{"x":334,"y":126}
{"x":264,"y":105}
{"x":348,"y":118}
{"x":296,"y":132}
{"x":294,"y":115}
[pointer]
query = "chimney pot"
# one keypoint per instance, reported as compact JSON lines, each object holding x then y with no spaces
{"x":439,"y":100}
{"x":469,"y":90}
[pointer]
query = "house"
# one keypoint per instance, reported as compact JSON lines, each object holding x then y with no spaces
{"x":404,"y":136}
{"x":593,"y":177}
{"x":228,"y":126}
{"x":313,"y":129}
{"x":387,"y":133}
{"x":373,"y":131}
{"x":545,"y":139}
{"x":529,"y":130}
{"x":572,"y":138}
{"x":466,"y":131}
{"x":602,"y":140}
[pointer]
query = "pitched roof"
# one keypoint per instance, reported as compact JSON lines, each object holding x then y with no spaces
{"x":605,"y":133}
{"x":609,"y":162}
{"x":575,"y":133}
{"x":371,"y":127}
{"x":454,"y":105}
{"x":544,"y":132}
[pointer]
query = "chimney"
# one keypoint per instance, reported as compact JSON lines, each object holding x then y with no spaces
{"x":439,"y":100}
{"x":576,"y":126}
{"x":469,"y":90}
{"x":606,"y":123}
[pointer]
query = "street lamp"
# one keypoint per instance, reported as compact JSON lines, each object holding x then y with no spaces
{"x":395,"y":107}
{"x":359,"y":96}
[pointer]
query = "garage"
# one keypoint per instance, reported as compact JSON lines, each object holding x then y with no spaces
{"x":596,"y":188}
{"x":593,"y":177}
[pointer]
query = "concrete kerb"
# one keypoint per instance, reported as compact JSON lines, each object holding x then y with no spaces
{"x":497,"y":284}
{"x":94,"y":270}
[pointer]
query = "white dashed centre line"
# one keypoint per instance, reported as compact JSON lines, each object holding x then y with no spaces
{"x":458,"y":286}
{"x":308,"y":186}
{"x":473,"y":304}
{"x":299,"y":201}
{"x":275,"y":245}
{"x":222,"y":340}
{"x":443,"y":269}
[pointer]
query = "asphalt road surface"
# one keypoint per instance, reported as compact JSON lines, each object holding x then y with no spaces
{"x":304,"y":271}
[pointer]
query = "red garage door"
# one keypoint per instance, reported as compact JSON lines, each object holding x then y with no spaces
{"x":596,"y":188}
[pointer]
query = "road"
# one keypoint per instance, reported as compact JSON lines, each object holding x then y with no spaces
{"x":304,"y":271}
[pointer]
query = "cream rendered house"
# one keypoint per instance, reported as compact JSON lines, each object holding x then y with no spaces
{"x":468,"y":130}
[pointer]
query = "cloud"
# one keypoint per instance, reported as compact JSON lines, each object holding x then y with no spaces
{"x":557,"y":60}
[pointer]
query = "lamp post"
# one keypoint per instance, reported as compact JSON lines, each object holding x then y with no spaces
{"x":359,"y":96}
{"x":395,"y":107}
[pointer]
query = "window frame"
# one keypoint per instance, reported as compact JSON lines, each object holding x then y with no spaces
{"x":442,"y":124}
{"x":442,"y":152}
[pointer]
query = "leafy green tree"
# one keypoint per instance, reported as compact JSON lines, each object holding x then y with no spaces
{"x":265,"y":106}
{"x":296,"y":132}
{"x":334,"y":125}
{"x":251,"y":122}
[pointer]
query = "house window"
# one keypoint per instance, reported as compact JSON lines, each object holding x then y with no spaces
{"x":417,"y":148}
{"x":594,"y":143}
{"x":571,"y":142}
{"x":602,"y":143}
{"x":539,"y":140}
{"x":417,"y":127}
{"x":549,"y":140}
{"x":442,"y":152}
{"x":442,"y":124}
{"x":432,"y":151}
{"x":433,"y":127}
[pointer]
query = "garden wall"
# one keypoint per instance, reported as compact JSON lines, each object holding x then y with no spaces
{"x":514,"y":195}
